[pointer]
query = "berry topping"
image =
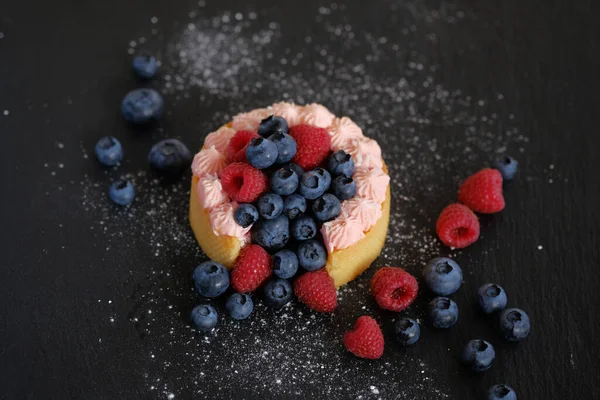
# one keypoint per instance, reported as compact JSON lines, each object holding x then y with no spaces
{"x":121,"y":192}
{"x":343,"y":188}
{"x":294,"y":205}
{"x":514,"y":324}
{"x":478,"y":355}
{"x":284,"y":181}
{"x":109,"y":151}
{"x":252,"y":268}
{"x":169,"y":156}
{"x":507,"y":166}
{"x":243,"y":183}
{"x":204,"y":317}
{"x":261,"y":153}
{"x":491,"y":298}
{"x":314,"y":183}
{"x":285,"y":264}
{"x":340,"y":163}
{"x":270,"y":205}
{"x":442,"y":312}
{"x":304,"y":228}
{"x":211,"y":279}
{"x":239,"y":305}
{"x":311,"y":255}
{"x":407,"y":331}
{"x":326,"y":207}
{"x":272,"y":234}
{"x":278,"y":292}
{"x":141,"y":106}
{"x":271,"y":125}
{"x":457,"y":226}
{"x":316,"y":291}
{"x":236,"y":150}
{"x":145,"y":66}
{"x":286,"y":147}
{"x":245,"y":215}
{"x":501,"y":392}
{"x":394,"y":288}
{"x":443,"y":276}
{"x":482,"y":192}
{"x":294,"y":167}
{"x":313,"y":145}
{"x":365,"y":340}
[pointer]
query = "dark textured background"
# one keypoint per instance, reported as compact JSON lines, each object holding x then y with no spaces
{"x":62,"y":68}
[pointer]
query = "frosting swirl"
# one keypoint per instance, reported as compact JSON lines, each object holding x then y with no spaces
{"x":220,"y":139}
{"x":289,"y":111}
{"x":365,"y":212}
{"x":223,"y":223}
{"x":251,"y":120}
{"x":365,"y":152}
{"x":208,"y":161}
{"x":371,"y":183}
{"x":341,"y":233}
{"x":342,"y":131}
{"x":316,"y":115}
{"x":210,"y":192}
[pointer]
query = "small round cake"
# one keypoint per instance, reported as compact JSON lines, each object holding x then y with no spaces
{"x":292,"y":177}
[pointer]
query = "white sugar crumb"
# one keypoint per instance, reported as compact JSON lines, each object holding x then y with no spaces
{"x":6,"y":112}
{"x":540,"y":247}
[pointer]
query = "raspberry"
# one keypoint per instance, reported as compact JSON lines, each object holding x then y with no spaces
{"x":252,"y":268}
{"x":394,"y":288}
{"x":316,"y":290}
{"x":482,"y":192}
{"x":242,"y":182}
{"x":236,"y":150}
{"x":366,"y":339}
{"x":313,"y":145}
{"x":457,"y":226}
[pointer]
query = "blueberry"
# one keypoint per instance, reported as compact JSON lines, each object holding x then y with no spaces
{"x":286,"y":146}
{"x":271,"y":125}
{"x":514,"y":324}
{"x":284,"y":181}
{"x":141,"y":106}
{"x":121,"y":192}
{"x":294,"y":167}
{"x":211,"y":279}
{"x":278,"y":292}
{"x":343,"y":188}
{"x":245,"y":215}
{"x":239,"y":305}
{"x":304,"y":228}
{"x":442,"y":312}
{"x":491,"y":298}
{"x":501,"y":392}
{"x":478,"y":355}
{"x":443,"y":276}
{"x":407,"y":331}
{"x":507,"y":166}
{"x":340,"y":163}
{"x":204,"y":317}
{"x":311,"y":255}
{"x":109,"y":151}
{"x":314,"y":183}
{"x":285,"y":264}
{"x":169,"y":156}
{"x":326,"y":207}
{"x":272,"y":234}
{"x":145,"y":66}
{"x":294,"y":205}
{"x":270,"y":205}
{"x":261,"y":153}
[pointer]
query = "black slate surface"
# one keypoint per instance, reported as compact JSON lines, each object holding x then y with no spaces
{"x":74,"y":293}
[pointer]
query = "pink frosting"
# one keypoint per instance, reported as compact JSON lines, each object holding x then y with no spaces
{"x":210,"y":192}
{"x":342,"y":131}
{"x":365,"y":212}
{"x":365,"y":152}
{"x":316,"y":115}
{"x":289,"y":111}
{"x":371,"y":183}
{"x":249,"y":121}
{"x":220,"y":139}
{"x":223,"y":223}
{"x":208,"y":161}
{"x":341,"y":233}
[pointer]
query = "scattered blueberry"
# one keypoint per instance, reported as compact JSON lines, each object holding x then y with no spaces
{"x":343,"y":188}
{"x":211,"y":279}
{"x":314,"y":183}
{"x":270,"y":205}
{"x":443,"y":276}
{"x":284,"y":181}
{"x":442,"y":312}
{"x":325,"y":176}
{"x":109,"y":151}
{"x":294,"y":167}
{"x":204,"y":317}
{"x":145,"y":66}
{"x":141,"y":106}
{"x":294,"y":205}
{"x":507,"y":166}
{"x":491,"y":298}
{"x":169,"y":156}
{"x":278,"y":292}
{"x":271,"y":125}
{"x":407,"y":331}
{"x":304,"y":228}
{"x":261,"y":153}
{"x":501,"y":392}
{"x":272,"y":234}
{"x":239,"y":305}
{"x":121,"y":192}
{"x":478,"y":355}
{"x":286,"y":146}
{"x":311,"y":255}
{"x":285,"y":264}
{"x":340,"y":163}
{"x":245,"y":215}
{"x":514,"y":324}
{"x":326,"y":207}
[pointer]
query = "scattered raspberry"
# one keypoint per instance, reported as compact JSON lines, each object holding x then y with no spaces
{"x":242,"y":182}
{"x":236,"y":150}
{"x":366,"y":339}
{"x":394,"y":288}
{"x":316,"y":290}
{"x":251,"y":269}
{"x":482,"y":192}
{"x":457,"y":226}
{"x":313,"y":145}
